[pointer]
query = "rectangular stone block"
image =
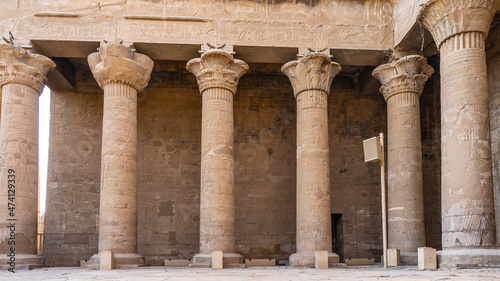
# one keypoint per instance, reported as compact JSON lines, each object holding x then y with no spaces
{"x":393,"y":257}
{"x":359,"y":261}
{"x":321,"y":259}
{"x":177,"y":263}
{"x":107,"y":260}
{"x":217,"y":260}
{"x":260,"y":262}
{"x":427,"y":258}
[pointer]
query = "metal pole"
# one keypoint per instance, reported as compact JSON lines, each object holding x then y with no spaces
{"x":384,"y":204}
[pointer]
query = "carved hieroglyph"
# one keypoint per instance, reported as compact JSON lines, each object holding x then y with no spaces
{"x":122,"y":74}
{"x":217,"y":74}
{"x":459,"y":29}
{"x":311,"y":78}
{"x":22,"y":79}
{"x":402,"y":84}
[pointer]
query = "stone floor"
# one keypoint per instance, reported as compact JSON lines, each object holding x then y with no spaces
{"x":375,"y":272}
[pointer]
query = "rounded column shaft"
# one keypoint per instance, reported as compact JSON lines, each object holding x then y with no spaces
{"x":467,"y":188}
{"x":314,"y":231}
{"x":217,"y":212}
{"x":311,"y":78}
{"x":459,"y":29}
{"x":217,"y":74}
{"x":402,"y":84}
{"x":121,"y":73}
{"x":19,"y":166}
{"x":22,"y":81}
{"x":118,"y":193}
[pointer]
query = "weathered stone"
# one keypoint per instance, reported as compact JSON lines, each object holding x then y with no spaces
{"x":217,"y":74}
{"x":311,"y":77}
{"x":22,"y":81}
{"x":402,"y":84}
{"x":122,"y":74}
{"x":459,"y":30}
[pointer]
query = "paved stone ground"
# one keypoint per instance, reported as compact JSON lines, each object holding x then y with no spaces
{"x":376,"y":272}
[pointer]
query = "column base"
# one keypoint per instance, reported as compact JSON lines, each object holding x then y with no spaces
{"x":122,"y":261}
{"x":229,"y":260}
{"x":469,"y":258}
{"x":27,"y":261}
{"x":308,"y":259}
{"x":409,"y":258}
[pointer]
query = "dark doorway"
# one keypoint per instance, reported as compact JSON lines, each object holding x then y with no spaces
{"x":337,"y":235}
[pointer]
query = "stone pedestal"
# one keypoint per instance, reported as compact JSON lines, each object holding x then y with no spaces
{"x":22,"y":80}
{"x":459,"y":29}
{"x":311,"y":78}
{"x":122,"y":74}
{"x":217,"y":74}
{"x":402,"y":84}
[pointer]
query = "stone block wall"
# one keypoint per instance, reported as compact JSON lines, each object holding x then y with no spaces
{"x":169,"y":137}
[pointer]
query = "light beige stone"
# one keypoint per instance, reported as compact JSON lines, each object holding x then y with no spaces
{"x":311,"y":78}
{"x":321,"y":259}
{"x":260,"y":262}
{"x":359,"y":261}
{"x":122,"y":74}
{"x":177,"y":263}
{"x":459,"y":30}
{"x":393,"y":257}
{"x":107,"y":260}
{"x":217,"y":74}
{"x":217,"y":262}
{"x":427,"y":258}
{"x":22,"y":81}
{"x":402,"y":84}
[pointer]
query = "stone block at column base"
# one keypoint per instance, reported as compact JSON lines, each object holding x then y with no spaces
{"x":122,"y":261}
{"x":22,"y":261}
{"x":409,"y":258}
{"x":230,"y":260}
{"x":307,"y":259}
{"x":469,"y":258}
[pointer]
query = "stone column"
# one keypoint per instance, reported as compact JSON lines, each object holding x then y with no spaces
{"x":121,"y":73}
{"x":311,"y":78}
{"x":217,"y":74}
{"x":402,"y":84}
{"x":459,"y":29}
{"x":22,"y":79}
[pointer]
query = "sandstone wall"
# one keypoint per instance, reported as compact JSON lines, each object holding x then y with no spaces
{"x":169,"y":136}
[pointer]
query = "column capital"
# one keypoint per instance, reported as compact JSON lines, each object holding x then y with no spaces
{"x":217,"y":68}
{"x":314,"y":71}
{"x":407,"y":74}
{"x":444,"y":18}
{"x":116,"y":63}
{"x":25,"y":69}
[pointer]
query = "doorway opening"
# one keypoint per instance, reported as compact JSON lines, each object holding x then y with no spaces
{"x":337,"y":235}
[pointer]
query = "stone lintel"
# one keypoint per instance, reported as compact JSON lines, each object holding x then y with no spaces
{"x":407,"y":74}
{"x":445,"y":19}
{"x":20,"y":67}
{"x":117,"y":63}
{"x":216,"y":68}
{"x":314,"y":71}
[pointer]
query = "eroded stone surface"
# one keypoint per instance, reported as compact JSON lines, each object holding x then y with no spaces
{"x":217,"y":74}
{"x":459,"y":30}
{"x":122,"y":74}
{"x":402,"y":84}
{"x":22,"y":81}
{"x":311,"y":77}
